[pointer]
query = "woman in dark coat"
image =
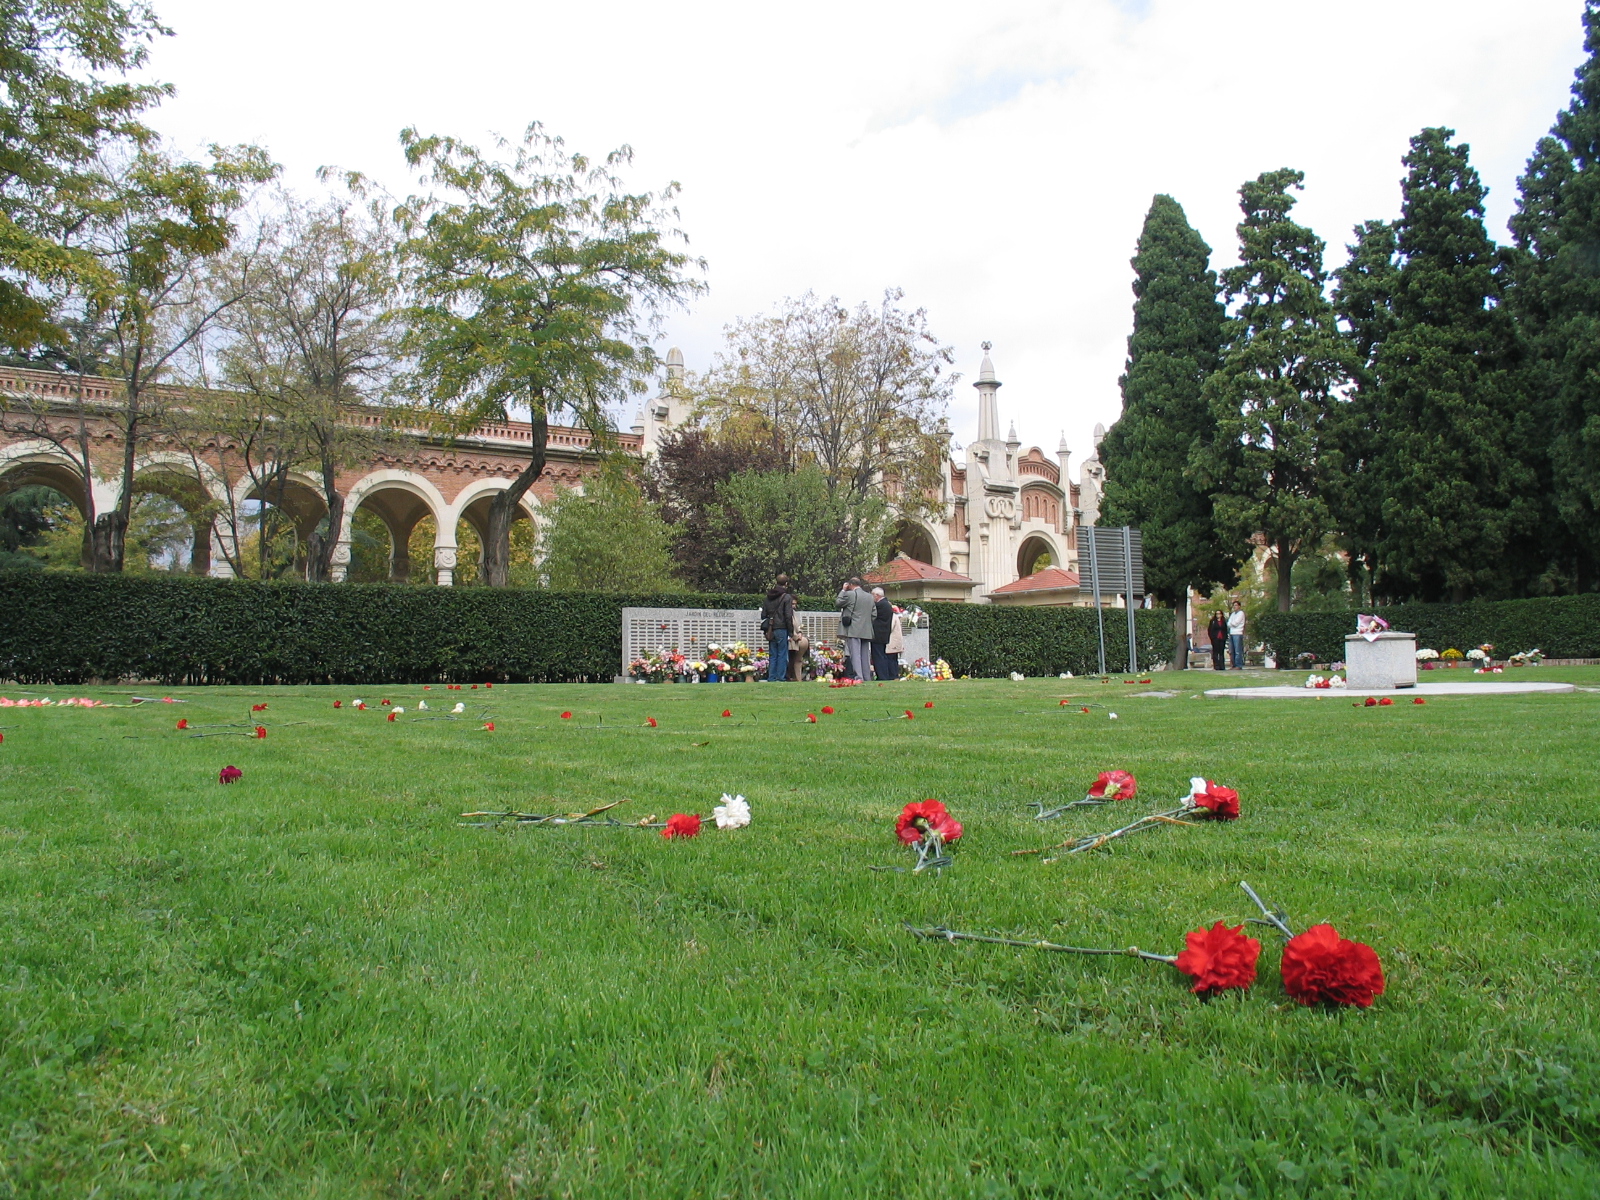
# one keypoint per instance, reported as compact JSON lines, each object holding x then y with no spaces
{"x":1217,"y":631}
{"x":882,"y":626}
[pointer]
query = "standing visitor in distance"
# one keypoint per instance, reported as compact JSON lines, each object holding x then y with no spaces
{"x":855,"y":626}
{"x":1217,"y":631}
{"x":1236,"y":635}
{"x":883,"y":622}
{"x":777,"y":624}
{"x":897,"y":643}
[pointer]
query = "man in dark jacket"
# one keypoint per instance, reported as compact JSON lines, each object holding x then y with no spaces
{"x":777,"y":623}
{"x":882,"y":625}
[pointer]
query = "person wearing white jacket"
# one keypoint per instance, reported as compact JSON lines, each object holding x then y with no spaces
{"x":1236,"y":635}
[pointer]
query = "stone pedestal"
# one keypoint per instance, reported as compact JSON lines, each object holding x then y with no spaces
{"x":1389,"y":661}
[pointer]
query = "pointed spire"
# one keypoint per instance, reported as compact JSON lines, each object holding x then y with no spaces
{"x":674,"y":364}
{"x":988,"y":412}
{"x":1063,"y":450}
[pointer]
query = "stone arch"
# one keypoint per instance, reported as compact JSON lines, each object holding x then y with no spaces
{"x":1036,"y":553}
{"x":194,"y":487}
{"x":472,"y":506}
{"x":301,"y":501}
{"x":913,"y":539}
{"x":401,"y":500}
{"x":38,"y":463}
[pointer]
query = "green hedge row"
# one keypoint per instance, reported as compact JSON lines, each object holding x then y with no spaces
{"x":66,"y":628}
{"x":986,"y":639}
{"x":1561,"y":626}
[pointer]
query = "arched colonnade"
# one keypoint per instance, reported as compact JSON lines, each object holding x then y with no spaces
{"x":402,"y":499}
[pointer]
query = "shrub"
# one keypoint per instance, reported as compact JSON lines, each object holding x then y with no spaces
{"x":63,"y":627}
{"x":989,"y":640}
{"x":1561,"y":626}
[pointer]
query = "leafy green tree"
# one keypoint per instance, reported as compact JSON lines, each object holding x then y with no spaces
{"x":1175,"y":345}
{"x":1445,"y":502}
{"x":58,"y":114}
{"x":769,"y":522}
{"x":1274,"y":396}
{"x":536,"y":284}
{"x":607,"y":539}
{"x":1556,"y":299}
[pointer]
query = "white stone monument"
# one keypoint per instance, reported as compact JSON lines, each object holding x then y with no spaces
{"x":1380,"y":660}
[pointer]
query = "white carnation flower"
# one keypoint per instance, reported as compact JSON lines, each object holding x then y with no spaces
{"x":732,"y":813}
{"x":422,"y":706}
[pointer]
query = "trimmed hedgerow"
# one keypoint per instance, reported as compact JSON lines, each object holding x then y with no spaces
{"x":988,"y":640}
{"x":1561,"y":626}
{"x":68,"y":628}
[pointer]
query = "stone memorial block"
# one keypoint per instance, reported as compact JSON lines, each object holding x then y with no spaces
{"x":1380,"y":660}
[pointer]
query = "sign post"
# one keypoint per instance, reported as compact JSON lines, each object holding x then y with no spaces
{"x":1116,"y":562}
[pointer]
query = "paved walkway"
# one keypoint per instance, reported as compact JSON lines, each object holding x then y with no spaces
{"x":1463,"y":688}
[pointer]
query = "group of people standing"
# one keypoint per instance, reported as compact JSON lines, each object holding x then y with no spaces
{"x":1227,"y":631}
{"x":871,"y":629}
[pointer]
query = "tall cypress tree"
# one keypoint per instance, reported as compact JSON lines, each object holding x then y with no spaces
{"x":1276,"y":394}
{"x":1557,"y":300}
{"x":1175,"y":344}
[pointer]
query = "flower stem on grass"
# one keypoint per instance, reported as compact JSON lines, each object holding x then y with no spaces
{"x":951,"y":935}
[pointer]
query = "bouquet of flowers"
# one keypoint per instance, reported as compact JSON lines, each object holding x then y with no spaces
{"x":1370,"y":625}
{"x":1322,"y":682}
{"x":738,"y":657}
{"x":1528,"y":658}
{"x":912,"y":617}
{"x":827,"y":660}
{"x":659,"y":666}
{"x":1426,"y":655}
{"x":1451,"y":655}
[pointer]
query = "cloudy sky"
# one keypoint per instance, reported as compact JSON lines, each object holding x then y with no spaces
{"x":993,"y":160}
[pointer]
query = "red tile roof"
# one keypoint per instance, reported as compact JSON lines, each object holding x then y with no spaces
{"x":903,"y":569}
{"x":1051,"y":579}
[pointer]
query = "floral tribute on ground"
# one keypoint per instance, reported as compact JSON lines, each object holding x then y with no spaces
{"x":1318,"y":966}
{"x":927,"y":827}
{"x":1206,"y":801}
{"x":1108,"y":787}
{"x":732,"y":813}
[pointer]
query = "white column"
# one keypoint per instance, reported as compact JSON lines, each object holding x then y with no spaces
{"x":339,"y":565}
{"x":444,"y":563}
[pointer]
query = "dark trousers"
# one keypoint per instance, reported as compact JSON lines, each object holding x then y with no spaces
{"x":880,"y":662}
{"x":1218,"y":662}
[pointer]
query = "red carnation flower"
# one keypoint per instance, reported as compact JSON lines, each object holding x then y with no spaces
{"x":391,"y":716}
{"x":258,"y":708}
{"x":1114,"y":785}
{"x":928,"y":704}
{"x":474,"y":687}
{"x":362,"y":707}
{"x":1370,"y":702}
{"x":1221,"y":802}
{"x":2,"y":737}
{"x":681,"y":825}
{"x":229,"y":774}
{"x":488,"y":685}
{"x":1063,"y":704}
{"x":338,"y":703}
{"x":1085,"y":708}
{"x":1320,"y":967}
{"x":261,"y":731}
{"x":727,"y":712}
{"x":1387,"y":700}
{"x":489,"y":726}
{"x":1418,"y":700}
{"x":1219,"y":958}
{"x":811,"y":717}
{"x":427,"y":687}
{"x":910,"y":716}
{"x":183,"y":724}
{"x":650,"y":721}
{"x":924,"y":817}
{"x":827,"y":710}
{"x":566,"y":716}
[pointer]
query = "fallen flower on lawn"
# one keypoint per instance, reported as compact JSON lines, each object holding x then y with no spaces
{"x":1107,"y":787}
{"x":827,"y":710}
{"x":398,"y":711}
{"x":1204,"y":797}
{"x":488,"y":685}
{"x":338,"y":703}
{"x":910,"y":716}
{"x":811,"y":718}
{"x":927,"y":704}
{"x":1219,"y":958}
{"x":566,"y":716}
{"x":1017,"y":677}
{"x":488,"y":726}
{"x":1370,"y":702}
{"x":422,"y":706}
{"x":358,"y":704}
{"x":261,"y":731}
{"x":682,"y":825}
{"x":1320,"y":967}
{"x":1418,"y":700}
{"x":727,"y":712}
{"x":392,"y":716}
{"x":258,"y":708}
{"x":732,"y":813}
{"x":1112,"y":716}
{"x":1221,"y":802}
{"x":926,"y":825}
{"x":383,"y":702}
{"x":229,"y":774}
{"x":1386,"y":702}
{"x":650,"y":721}
{"x":459,"y":708}
{"x":183,"y":724}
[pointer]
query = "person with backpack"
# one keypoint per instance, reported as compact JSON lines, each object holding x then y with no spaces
{"x":777,"y":625}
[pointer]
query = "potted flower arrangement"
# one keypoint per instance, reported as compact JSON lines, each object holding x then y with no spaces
{"x":827,"y":660}
{"x":1426,"y":658}
{"x":1528,"y":658}
{"x":659,"y":666}
{"x":716,"y":664}
{"x":1451,"y":657}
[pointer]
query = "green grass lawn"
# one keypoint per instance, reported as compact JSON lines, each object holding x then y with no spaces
{"x":316,"y":983}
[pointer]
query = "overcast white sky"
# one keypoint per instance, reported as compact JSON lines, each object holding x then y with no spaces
{"x":993,"y":159}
